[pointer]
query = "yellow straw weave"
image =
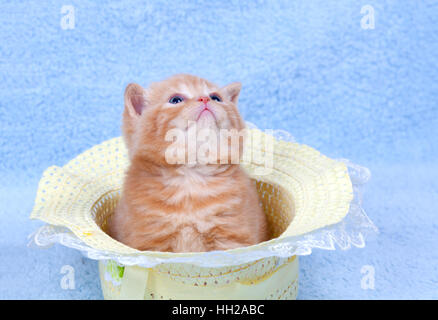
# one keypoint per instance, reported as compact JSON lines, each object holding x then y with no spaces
{"x":304,"y":191}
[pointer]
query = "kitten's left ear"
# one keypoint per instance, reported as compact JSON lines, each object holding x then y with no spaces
{"x":134,"y":99}
{"x":232,"y":91}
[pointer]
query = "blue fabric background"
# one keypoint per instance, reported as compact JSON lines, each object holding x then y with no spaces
{"x":306,"y":66}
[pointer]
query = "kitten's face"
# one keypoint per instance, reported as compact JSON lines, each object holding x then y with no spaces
{"x":178,"y":104}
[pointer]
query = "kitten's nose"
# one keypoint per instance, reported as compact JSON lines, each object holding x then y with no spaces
{"x":204,"y":99}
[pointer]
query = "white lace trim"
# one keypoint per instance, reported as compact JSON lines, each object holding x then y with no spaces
{"x":351,"y":231}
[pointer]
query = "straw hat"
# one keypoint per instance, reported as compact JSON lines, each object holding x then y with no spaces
{"x":301,"y":191}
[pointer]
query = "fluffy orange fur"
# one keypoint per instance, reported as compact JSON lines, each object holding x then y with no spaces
{"x":183,"y":207}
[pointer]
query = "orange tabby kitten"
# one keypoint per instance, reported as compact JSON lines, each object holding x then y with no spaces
{"x":185,"y":206}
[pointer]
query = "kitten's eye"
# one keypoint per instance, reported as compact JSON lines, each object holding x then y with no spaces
{"x":215,"y":97}
{"x":176,"y":99}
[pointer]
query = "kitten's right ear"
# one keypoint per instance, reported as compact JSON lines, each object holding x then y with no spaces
{"x":135,"y":101}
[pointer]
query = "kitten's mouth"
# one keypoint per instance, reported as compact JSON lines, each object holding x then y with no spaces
{"x":206,"y":111}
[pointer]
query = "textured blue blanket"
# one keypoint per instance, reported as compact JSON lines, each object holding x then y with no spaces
{"x":321,"y":70}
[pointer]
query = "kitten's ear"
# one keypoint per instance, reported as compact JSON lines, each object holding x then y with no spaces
{"x":232,"y":91}
{"x":134,"y":99}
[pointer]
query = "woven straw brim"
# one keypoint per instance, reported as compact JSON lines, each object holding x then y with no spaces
{"x":302,"y":192}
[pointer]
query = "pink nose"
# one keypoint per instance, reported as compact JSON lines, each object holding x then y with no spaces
{"x":204,"y":99}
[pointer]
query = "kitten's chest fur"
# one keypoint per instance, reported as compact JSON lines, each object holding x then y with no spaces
{"x":189,"y":210}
